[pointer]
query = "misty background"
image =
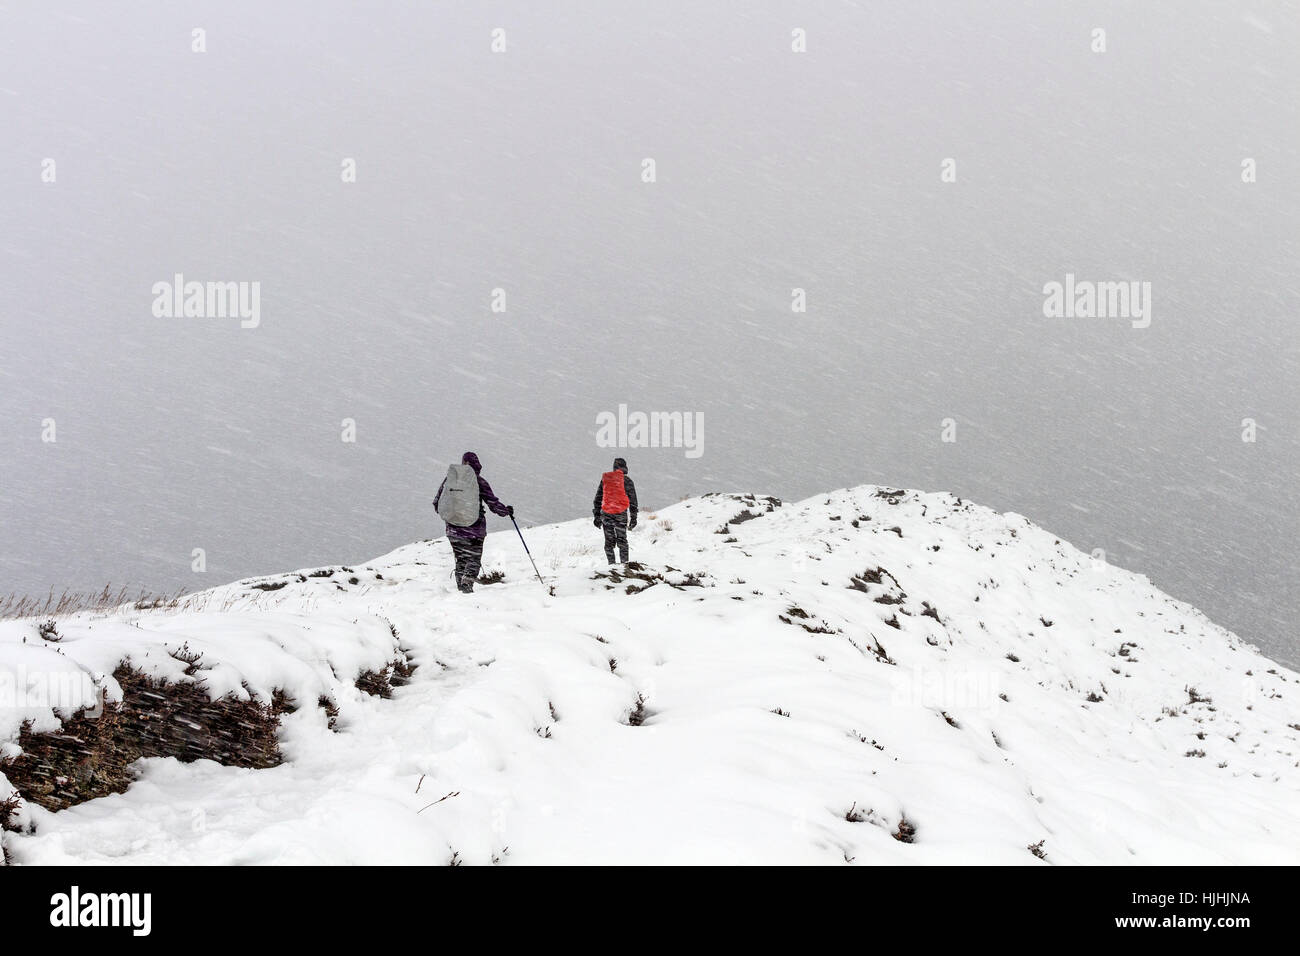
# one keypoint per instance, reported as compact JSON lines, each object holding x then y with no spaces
{"x":522,"y":171}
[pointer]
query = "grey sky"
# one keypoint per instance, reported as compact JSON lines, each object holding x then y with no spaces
{"x":522,"y":170}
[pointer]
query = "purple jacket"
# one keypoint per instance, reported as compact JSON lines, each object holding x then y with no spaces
{"x":479,"y":528}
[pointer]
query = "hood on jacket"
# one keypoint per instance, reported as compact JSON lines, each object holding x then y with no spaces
{"x":471,"y":459}
{"x":620,"y":465}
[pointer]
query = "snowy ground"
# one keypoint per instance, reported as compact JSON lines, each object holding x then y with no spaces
{"x":994,"y":689}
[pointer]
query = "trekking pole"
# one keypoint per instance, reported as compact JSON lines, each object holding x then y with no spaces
{"x":526,"y":551}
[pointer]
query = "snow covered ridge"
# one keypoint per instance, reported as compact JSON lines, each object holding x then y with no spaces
{"x":869,"y":676}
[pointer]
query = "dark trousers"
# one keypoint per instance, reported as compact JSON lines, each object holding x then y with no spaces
{"x":468,"y":553}
{"x":615,"y":527}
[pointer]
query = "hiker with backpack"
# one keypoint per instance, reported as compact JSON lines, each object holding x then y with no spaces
{"x":614,"y":508}
{"x":460,"y":501}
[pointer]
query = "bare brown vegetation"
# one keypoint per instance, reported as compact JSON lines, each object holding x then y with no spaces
{"x":72,"y":602}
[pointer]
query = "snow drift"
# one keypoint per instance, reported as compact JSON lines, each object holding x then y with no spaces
{"x":869,"y":676}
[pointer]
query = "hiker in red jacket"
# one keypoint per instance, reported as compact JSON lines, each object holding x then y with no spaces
{"x":614,"y":508}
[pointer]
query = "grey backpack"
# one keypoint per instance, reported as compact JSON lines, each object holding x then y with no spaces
{"x":459,"y":504}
